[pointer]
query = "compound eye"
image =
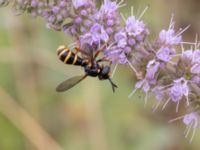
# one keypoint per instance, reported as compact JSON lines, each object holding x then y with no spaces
{"x":106,"y":70}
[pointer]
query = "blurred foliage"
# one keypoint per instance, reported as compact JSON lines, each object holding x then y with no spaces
{"x":89,"y":116}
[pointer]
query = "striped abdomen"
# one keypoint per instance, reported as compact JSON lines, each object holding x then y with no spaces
{"x":69,"y":57}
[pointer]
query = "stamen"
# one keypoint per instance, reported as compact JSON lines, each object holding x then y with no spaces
{"x":171,"y":24}
{"x":193,"y":134}
{"x":132,"y":11}
{"x":165,"y":104}
{"x":182,"y":48}
{"x":182,"y":31}
{"x":188,"y":131}
{"x":113,"y":43}
{"x":132,"y":66}
{"x":177,"y":106}
{"x":120,"y":5}
{"x":188,"y":43}
{"x":175,"y":119}
{"x":144,"y":11}
{"x":133,"y":92}
{"x":123,"y":17}
{"x":196,"y":41}
{"x":187,"y":99}
{"x":114,"y":71}
{"x":99,"y":45}
{"x":191,"y":47}
{"x":198,"y":45}
{"x":120,"y":2}
{"x":156,"y":107}
{"x":166,"y":86}
{"x":123,"y":5}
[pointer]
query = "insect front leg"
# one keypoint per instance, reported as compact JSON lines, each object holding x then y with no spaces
{"x":77,"y":48}
{"x":100,"y":50}
{"x":104,"y":59}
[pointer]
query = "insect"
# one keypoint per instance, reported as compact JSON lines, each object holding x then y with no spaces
{"x":87,"y":60}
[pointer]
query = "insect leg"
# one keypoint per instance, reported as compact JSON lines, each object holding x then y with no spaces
{"x":100,"y":50}
{"x":77,"y":49}
{"x":103,"y":59}
{"x":112,"y":84}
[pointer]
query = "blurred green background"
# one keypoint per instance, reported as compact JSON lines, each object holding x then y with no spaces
{"x":89,"y":116}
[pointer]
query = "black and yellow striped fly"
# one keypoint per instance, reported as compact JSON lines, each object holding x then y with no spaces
{"x":69,"y":57}
{"x":92,"y":67}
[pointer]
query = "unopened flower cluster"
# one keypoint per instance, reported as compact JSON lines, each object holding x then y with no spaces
{"x":170,"y":74}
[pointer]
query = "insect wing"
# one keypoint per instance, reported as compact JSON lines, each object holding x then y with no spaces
{"x":69,"y":83}
{"x":87,"y":52}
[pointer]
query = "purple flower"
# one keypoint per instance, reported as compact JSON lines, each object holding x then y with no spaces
{"x":78,"y":20}
{"x":34,"y":3}
{"x":63,"y":3}
{"x":169,"y":38}
{"x":110,"y":16}
{"x":116,"y":55}
{"x":193,"y":58}
{"x":179,"y":89}
{"x":152,"y":68}
{"x":109,"y":7}
{"x":191,"y":121}
{"x":196,"y":56}
{"x":159,"y":92}
{"x":131,"y":41}
{"x":188,"y":54}
{"x":144,"y":84}
{"x":135,"y":27}
{"x":195,"y":79}
{"x":122,"y":59}
{"x":195,"y":68}
{"x":121,"y":39}
{"x":163,"y":54}
{"x":127,"y":39}
{"x":191,"y":118}
{"x":176,"y":93}
{"x":55,"y":9}
{"x":96,"y":35}
{"x":82,"y":3}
